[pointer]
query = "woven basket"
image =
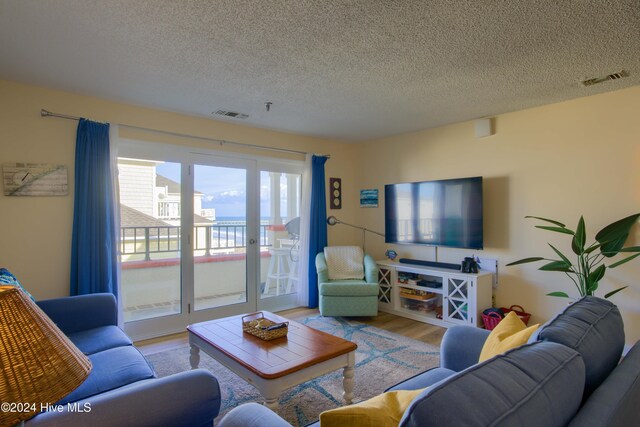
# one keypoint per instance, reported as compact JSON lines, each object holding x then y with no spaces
{"x":491,"y":320}
{"x":523,"y":315}
{"x":249,"y":326}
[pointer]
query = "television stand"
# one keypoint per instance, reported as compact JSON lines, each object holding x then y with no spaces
{"x":434,"y":295}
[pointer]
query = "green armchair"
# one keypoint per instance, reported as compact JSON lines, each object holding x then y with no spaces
{"x":347,"y":290}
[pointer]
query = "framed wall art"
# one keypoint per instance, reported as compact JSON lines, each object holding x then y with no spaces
{"x":369,"y":198}
{"x":335,"y":190}
{"x":34,"y":179}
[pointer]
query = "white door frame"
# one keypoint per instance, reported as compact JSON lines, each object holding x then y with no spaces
{"x":188,"y":157}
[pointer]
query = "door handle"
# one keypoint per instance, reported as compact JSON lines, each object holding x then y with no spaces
{"x":252,"y":241}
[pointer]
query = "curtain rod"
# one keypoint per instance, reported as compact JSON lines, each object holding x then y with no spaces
{"x":45,"y":113}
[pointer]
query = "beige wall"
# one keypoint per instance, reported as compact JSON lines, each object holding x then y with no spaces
{"x":36,"y":231}
{"x":558,"y":161}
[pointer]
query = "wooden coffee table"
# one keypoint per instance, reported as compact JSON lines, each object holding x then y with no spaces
{"x":276,"y":365}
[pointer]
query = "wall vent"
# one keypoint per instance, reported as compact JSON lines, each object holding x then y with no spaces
{"x":614,"y":76}
{"x":232,"y":114}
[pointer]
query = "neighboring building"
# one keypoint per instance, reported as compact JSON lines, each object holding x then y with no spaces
{"x":137,"y":182}
{"x":143,"y":189}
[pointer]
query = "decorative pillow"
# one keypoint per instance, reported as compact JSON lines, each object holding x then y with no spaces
{"x":344,"y":262}
{"x":510,"y":333}
{"x":7,"y":278}
{"x":385,"y":409}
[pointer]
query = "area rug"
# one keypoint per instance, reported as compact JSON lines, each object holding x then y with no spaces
{"x":382,"y":360}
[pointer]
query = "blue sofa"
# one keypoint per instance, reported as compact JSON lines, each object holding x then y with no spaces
{"x":122,"y":388}
{"x":568,"y":374}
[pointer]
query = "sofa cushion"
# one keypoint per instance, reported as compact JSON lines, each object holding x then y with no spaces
{"x":537,"y":384}
{"x":510,"y":333}
{"x":349,"y":288}
{"x":593,"y":327}
{"x":112,"y":368}
{"x":344,"y":262}
{"x":385,"y":409}
{"x":423,"y":379}
{"x":99,"y":339}
{"x":615,"y":402}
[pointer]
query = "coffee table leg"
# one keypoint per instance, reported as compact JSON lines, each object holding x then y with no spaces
{"x":347,"y":378}
{"x":271,"y":395}
{"x":194,"y":357}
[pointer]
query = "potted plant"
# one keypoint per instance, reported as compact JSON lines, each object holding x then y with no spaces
{"x":590,"y":266}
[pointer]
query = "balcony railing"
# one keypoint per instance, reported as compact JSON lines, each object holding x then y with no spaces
{"x":164,"y":239}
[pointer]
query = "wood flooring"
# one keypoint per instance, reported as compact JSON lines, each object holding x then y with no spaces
{"x":409,"y":328}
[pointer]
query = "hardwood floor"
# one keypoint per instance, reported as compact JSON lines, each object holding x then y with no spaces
{"x":409,"y":328}
{"x":389,"y":322}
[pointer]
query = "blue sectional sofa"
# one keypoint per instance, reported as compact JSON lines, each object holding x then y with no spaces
{"x":122,"y":388}
{"x":568,"y":374}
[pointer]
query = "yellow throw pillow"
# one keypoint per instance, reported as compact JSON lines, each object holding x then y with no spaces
{"x":383,"y":410}
{"x":510,"y":333}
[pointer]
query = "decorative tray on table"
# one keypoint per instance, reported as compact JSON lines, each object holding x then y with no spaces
{"x":264,"y":328}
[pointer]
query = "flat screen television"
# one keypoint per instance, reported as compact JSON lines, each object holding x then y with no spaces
{"x":438,"y":213}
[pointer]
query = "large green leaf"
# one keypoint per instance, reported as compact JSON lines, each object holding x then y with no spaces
{"x":556,"y":229}
{"x":559,"y":224}
{"x":592,"y":248}
{"x":612,"y":247}
{"x":560,"y":254}
{"x":615,"y":231}
{"x":526,"y":260}
{"x":557,"y":266}
{"x":615,"y":292}
{"x":630,"y":249}
{"x":579,"y":238}
{"x":598,"y":273}
{"x":558,"y":294}
{"x":615,"y":264}
{"x":594,"y":277}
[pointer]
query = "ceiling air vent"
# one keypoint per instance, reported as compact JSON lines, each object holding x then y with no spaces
{"x":232,"y":114}
{"x":614,"y":76}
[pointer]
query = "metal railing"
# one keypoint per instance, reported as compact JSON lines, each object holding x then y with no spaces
{"x":208,"y":238}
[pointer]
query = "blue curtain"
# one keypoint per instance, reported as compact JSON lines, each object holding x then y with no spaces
{"x":94,"y":259}
{"x":318,"y":224}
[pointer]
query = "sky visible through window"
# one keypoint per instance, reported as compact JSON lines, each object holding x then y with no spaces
{"x":224,"y":189}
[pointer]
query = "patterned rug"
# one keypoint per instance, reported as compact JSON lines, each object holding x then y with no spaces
{"x":382,"y":360}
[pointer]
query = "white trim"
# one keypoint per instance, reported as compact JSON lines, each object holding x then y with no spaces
{"x":167,"y":148}
{"x":113,"y":154}
{"x":305,"y":213}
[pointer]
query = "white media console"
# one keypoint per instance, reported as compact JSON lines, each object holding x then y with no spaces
{"x":439,"y":296}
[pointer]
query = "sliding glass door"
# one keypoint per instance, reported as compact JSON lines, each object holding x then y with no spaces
{"x":189,"y":237}
{"x":204,"y":236}
{"x":280,"y":196}
{"x":150,"y":235}
{"x":225,"y":239}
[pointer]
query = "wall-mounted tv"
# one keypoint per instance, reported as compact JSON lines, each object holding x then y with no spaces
{"x":438,"y":213}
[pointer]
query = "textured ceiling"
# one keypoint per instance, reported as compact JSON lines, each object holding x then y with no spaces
{"x":349,"y":70}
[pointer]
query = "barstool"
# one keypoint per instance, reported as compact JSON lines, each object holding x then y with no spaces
{"x":279,"y":269}
{"x":293,"y":275}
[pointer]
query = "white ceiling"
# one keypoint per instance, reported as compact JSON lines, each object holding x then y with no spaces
{"x":350,"y":70}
